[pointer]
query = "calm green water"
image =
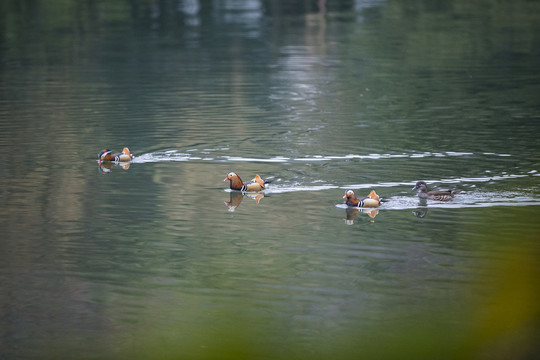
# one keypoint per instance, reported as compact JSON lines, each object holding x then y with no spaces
{"x":161,"y":260}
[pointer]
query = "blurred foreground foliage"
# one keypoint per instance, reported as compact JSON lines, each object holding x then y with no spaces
{"x":500,"y":323}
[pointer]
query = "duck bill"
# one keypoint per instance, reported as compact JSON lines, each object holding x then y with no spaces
{"x":345,"y":196}
{"x":227,"y":178}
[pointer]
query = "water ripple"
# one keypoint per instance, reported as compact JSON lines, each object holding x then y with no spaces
{"x":206,"y":154}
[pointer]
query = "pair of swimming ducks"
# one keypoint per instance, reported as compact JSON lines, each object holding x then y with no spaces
{"x":258,"y":184}
{"x":373,"y":200}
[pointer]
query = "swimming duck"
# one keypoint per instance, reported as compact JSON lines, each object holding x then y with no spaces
{"x":124,"y":156}
{"x":439,"y":195}
{"x":371,"y":201}
{"x":256,"y":184}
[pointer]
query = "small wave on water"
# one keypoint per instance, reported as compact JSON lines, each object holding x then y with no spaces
{"x":160,"y":156}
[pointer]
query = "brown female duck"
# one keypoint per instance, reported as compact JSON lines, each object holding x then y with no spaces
{"x":438,"y":195}
{"x":124,"y":156}
{"x":256,"y":184}
{"x":371,"y":201}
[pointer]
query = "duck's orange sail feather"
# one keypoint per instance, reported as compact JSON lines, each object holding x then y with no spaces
{"x":373,"y":195}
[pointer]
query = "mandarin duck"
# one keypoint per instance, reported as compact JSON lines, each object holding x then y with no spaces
{"x":124,"y":156}
{"x":256,"y":184}
{"x":371,"y":201}
{"x":438,"y":195}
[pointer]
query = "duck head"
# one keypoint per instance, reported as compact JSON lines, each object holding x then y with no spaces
{"x":230,"y":175}
{"x":420,"y":185}
{"x":349,"y":194}
{"x":105,"y":154}
{"x":236,"y":182}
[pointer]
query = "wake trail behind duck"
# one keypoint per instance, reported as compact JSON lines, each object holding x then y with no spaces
{"x":214,"y":155}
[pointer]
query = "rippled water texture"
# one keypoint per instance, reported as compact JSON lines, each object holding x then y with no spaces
{"x":158,"y":258}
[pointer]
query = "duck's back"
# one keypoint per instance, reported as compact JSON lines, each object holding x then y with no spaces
{"x":440,"y":195}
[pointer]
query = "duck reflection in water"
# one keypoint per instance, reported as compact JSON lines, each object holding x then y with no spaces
{"x":105,"y":167}
{"x":236,"y":198}
{"x":350,"y":214}
{"x":421,"y":212}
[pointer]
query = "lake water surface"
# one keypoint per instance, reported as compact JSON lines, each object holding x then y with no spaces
{"x":159,"y":259}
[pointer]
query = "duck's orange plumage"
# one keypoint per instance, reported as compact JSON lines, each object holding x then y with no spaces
{"x":258,"y":180}
{"x":371,"y":201}
{"x":107,"y":155}
{"x":373,"y":195}
{"x":257,"y":184}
